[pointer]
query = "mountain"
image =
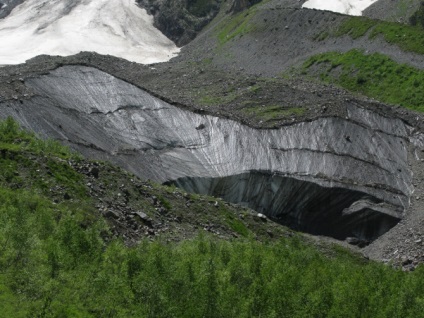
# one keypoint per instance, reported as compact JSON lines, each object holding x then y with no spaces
{"x":273,"y":105}
{"x":268,"y":169}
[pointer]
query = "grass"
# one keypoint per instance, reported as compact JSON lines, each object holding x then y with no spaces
{"x":272,"y":112}
{"x":374,"y":75}
{"x":234,"y":223}
{"x":212,"y":99}
{"x":12,"y":138}
{"x":237,"y":25}
{"x":215,"y":94}
{"x":408,"y":38}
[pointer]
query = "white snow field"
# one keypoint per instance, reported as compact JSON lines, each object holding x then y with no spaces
{"x":351,"y":7}
{"x":67,"y":27}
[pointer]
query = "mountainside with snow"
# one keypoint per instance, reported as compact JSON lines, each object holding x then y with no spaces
{"x":66,"y":27}
{"x":120,"y":28}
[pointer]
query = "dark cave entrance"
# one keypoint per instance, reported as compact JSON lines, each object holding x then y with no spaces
{"x":302,"y":205}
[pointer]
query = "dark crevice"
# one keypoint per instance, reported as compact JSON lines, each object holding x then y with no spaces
{"x":302,"y":205}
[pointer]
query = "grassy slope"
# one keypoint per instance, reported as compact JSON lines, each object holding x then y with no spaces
{"x":55,"y":260}
{"x":407,"y":37}
{"x":374,"y":75}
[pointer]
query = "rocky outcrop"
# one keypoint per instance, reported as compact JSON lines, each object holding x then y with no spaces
{"x":392,"y":10}
{"x":6,"y":6}
{"x":240,"y":5}
{"x":181,"y":20}
{"x":335,"y":176}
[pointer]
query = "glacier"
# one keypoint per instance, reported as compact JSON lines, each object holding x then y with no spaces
{"x":332,"y":176}
{"x":350,"y":7}
{"x":66,"y":27}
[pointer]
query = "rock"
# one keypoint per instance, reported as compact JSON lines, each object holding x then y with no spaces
{"x":180,"y":20}
{"x":406,"y":261}
{"x":260,"y":217}
{"x":94,"y":171}
{"x":154,"y":200}
{"x":352,"y":240}
{"x":112,"y":214}
{"x":6,"y":6}
{"x":144,"y":218}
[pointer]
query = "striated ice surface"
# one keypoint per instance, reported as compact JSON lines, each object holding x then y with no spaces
{"x":348,"y":176}
{"x":67,"y":27}
{"x":350,"y":7}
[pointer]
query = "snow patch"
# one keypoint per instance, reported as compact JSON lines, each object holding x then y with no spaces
{"x":350,"y":7}
{"x":67,"y":27}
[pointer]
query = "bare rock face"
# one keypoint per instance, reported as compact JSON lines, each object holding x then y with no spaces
{"x":6,"y":6}
{"x":240,"y":5}
{"x":393,"y":10}
{"x":181,"y":20}
{"x":343,"y":177}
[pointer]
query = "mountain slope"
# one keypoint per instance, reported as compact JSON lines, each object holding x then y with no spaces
{"x":68,"y":229}
{"x":201,"y":119}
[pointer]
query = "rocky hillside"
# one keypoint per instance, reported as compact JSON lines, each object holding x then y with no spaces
{"x":134,"y":209}
{"x":395,"y":11}
{"x":6,"y":6}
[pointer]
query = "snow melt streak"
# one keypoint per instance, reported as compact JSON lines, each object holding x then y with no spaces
{"x":351,"y":7}
{"x":67,"y":27}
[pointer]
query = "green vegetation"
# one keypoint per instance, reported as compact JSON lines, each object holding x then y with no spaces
{"x":321,"y":36}
{"x":238,"y":25}
{"x":272,"y":112}
{"x":373,"y":75}
{"x":12,"y":138}
{"x":408,"y":38}
{"x":355,"y":27}
{"x":216,"y":99}
{"x":51,"y":266}
{"x":234,"y":223}
{"x":58,"y":259}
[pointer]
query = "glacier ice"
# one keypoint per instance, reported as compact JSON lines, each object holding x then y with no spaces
{"x":66,"y":27}
{"x":350,"y":7}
